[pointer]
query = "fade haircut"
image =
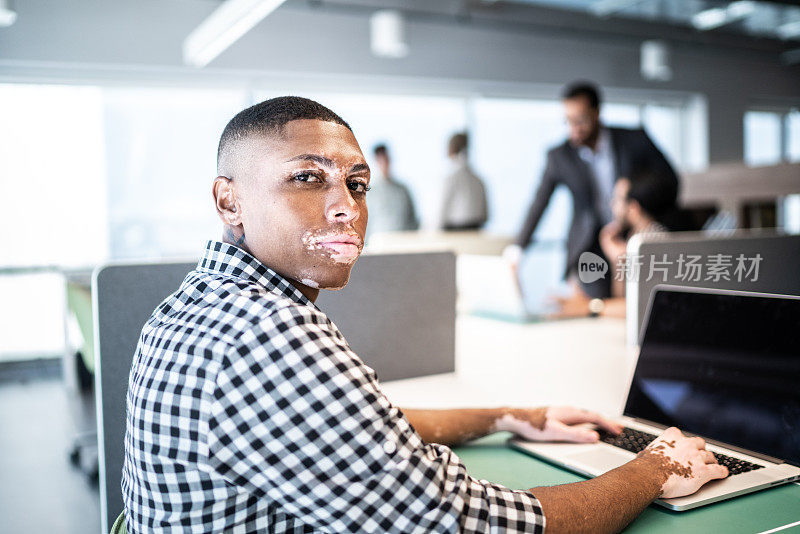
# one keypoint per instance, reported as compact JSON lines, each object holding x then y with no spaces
{"x":268,"y":118}
{"x":583,"y":89}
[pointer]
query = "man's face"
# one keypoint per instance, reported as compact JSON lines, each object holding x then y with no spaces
{"x":620,"y":204}
{"x":303,"y":202}
{"x":582,"y":119}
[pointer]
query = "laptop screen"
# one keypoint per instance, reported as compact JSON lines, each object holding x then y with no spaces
{"x":725,"y":366}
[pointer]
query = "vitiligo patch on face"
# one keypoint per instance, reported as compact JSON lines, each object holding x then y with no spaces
{"x":339,"y":246}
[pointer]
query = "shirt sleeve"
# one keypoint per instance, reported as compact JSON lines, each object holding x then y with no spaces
{"x":298,"y":419}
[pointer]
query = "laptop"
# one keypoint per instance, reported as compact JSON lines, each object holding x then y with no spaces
{"x":720,"y":364}
{"x":488,"y":288}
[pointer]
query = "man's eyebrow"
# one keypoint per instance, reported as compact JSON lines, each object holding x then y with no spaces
{"x":327,"y":162}
{"x":322,"y":160}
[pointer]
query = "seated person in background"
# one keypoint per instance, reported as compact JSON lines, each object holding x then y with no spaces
{"x":248,"y":411}
{"x":639,"y":203}
{"x":464,"y":202}
{"x":390,"y":206}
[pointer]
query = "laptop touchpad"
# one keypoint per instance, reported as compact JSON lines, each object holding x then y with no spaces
{"x":601,"y":458}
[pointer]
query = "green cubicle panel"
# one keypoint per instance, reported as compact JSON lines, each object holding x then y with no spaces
{"x":755,"y":513}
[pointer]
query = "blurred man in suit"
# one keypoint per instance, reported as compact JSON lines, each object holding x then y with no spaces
{"x":588,"y":164}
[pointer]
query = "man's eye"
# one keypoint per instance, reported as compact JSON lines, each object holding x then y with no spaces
{"x":358,"y":187}
{"x":306,"y":177}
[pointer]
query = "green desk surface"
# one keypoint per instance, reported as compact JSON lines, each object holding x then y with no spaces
{"x":491,"y":459}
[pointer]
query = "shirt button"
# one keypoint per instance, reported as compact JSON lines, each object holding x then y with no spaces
{"x":389,"y":447}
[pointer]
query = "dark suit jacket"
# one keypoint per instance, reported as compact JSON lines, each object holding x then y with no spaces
{"x":631,"y":149}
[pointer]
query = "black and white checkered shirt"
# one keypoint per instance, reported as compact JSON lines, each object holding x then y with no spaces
{"x":248,"y":412}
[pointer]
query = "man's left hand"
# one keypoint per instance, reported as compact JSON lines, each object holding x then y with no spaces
{"x":555,"y":423}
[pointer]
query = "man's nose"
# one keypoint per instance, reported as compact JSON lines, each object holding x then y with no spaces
{"x":342,"y":207}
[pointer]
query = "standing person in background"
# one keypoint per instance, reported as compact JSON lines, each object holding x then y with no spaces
{"x":464,"y":202}
{"x":390,"y":206}
{"x":588,"y":163}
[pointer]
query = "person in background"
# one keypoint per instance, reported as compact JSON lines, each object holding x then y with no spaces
{"x":390,"y":206}
{"x":642,"y":203}
{"x":464,"y":201}
{"x":588,"y":163}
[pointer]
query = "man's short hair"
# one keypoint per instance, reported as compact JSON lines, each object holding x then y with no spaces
{"x":380,"y":151}
{"x":269,"y":117}
{"x":583,"y":89}
{"x":654,"y":189}
{"x":458,"y":143}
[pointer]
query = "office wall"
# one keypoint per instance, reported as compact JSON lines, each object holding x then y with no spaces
{"x":102,"y":40}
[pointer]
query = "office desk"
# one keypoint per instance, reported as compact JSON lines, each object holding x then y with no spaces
{"x":581,"y":362}
{"x":491,"y":459}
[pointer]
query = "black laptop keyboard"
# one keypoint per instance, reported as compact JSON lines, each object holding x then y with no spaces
{"x":636,"y":440}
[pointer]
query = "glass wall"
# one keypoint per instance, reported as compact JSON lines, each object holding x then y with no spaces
{"x":161,"y":147}
{"x":772,"y":137}
{"x":763,"y":143}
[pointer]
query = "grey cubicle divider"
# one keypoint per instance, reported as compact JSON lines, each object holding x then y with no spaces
{"x":397,"y":312}
{"x":779,"y":267}
{"x":403,"y":321}
{"x":124,"y":297}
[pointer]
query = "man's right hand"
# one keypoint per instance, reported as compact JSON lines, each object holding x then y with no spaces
{"x":684,"y":463}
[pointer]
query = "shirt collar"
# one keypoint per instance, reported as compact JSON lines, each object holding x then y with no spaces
{"x":227,"y":259}
{"x":602,"y":146}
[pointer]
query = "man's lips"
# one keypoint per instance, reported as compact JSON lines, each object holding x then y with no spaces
{"x":342,"y":244}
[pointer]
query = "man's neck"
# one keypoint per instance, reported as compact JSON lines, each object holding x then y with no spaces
{"x":235,"y":237}
{"x":642,"y":224}
{"x":308,"y":292}
{"x":593,"y":140}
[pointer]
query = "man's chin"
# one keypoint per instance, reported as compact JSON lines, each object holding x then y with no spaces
{"x":336,"y":285}
{"x":330,"y":281}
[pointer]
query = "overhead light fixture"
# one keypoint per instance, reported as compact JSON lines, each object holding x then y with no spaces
{"x":8,"y":15}
{"x":388,"y":34}
{"x":720,"y":16}
{"x":654,"y":61}
{"x":741,"y":9}
{"x":710,"y":18}
{"x":604,"y":8}
{"x":231,"y":20}
{"x":789,"y":30}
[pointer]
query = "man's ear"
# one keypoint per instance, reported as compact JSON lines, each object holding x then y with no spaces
{"x":228,"y":206}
